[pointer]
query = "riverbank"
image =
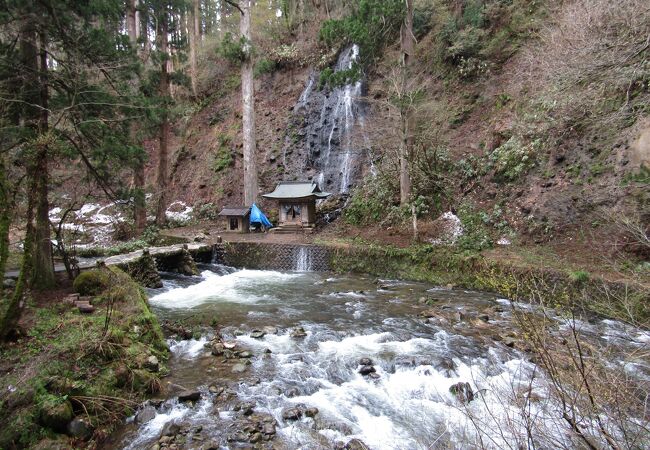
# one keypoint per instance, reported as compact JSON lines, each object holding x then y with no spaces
{"x":520,"y":273}
{"x":562,"y":272}
{"x":324,"y":360}
{"x":70,"y":377}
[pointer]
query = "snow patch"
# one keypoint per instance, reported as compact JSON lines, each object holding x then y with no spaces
{"x":179,"y":211}
{"x":451,"y":229}
{"x":504,"y":241}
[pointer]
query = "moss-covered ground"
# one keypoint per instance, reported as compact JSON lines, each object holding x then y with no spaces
{"x":69,"y":365}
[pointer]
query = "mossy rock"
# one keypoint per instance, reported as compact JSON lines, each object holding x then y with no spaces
{"x":145,"y":380}
{"x":93,"y":282}
{"x":56,"y":414}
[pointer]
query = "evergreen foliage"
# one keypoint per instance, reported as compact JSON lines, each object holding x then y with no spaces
{"x":370,"y":24}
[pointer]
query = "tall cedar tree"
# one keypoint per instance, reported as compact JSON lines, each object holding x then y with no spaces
{"x":66,"y":95}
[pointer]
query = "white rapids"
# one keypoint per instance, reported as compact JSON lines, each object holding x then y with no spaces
{"x":407,"y":404}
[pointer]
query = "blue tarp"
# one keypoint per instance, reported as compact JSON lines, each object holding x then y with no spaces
{"x":257,"y":216}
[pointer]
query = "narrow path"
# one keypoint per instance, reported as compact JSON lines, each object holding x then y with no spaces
{"x":87,"y":263}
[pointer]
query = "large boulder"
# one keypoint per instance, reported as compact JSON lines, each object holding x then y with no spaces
{"x":291,"y":414}
{"x":80,"y":428}
{"x":56,"y":415}
{"x":189,"y":396}
{"x":145,"y":415}
{"x":152,"y":364}
{"x":356,"y":444}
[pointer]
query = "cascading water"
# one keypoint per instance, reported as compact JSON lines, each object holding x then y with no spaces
{"x":303,"y":260}
{"x":330,"y":119}
{"x":316,"y":362}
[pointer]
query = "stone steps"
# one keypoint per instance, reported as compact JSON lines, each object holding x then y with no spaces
{"x":286,"y":229}
{"x":83,"y":304}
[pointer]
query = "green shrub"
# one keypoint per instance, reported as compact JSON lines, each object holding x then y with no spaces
{"x":422,"y":15}
{"x":208,"y":211}
{"x":263,"y":66}
{"x":333,"y":79}
{"x":374,"y":201}
{"x":92,"y":282}
{"x":580,"y":276}
{"x":371,"y":25}
{"x":233,"y":49}
{"x":222,"y":160}
{"x":476,"y":234}
{"x":642,"y":176}
{"x":513,"y":158}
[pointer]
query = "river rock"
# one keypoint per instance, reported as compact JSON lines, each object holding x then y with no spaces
{"x":80,"y":428}
{"x":429,"y":313}
{"x":255,"y":437}
{"x":238,"y":368}
{"x":145,"y":414}
{"x":270,"y":330}
{"x":56,"y":416}
{"x":212,"y":445}
{"x":245,"y":354}
{"x":152,"y":364}
{"x":298,"y":332}
{"x":216,"y":390}
{"x":311,"y":412}
{"x":463,"y":392}
{"x":447,"y":364}
{"x":291,"y":414}
{"x":367,"y":370}
{"x":356,"y":444}
{"x":246,"y":408}
{"x":189,"y":396}
{"x":257,"y":334}
{"x":365,"y":362}
{"x":292,"y":392}
{"x":170,"y":429}
{"x":229,"y":345}
{"x":268,"y":429}
{"x":218,"y":349}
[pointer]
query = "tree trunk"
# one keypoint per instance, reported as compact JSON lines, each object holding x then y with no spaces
{"x":248,"y":109}
{"x":407,"y":43}
{"x":10,"y":314}
{"x":139,"y":203}
{"x":404,"y":175}
{"x":193,"y":35}
{"x":161,"y":209}
{"x":5,"y":217}
{"x":43,"y":274}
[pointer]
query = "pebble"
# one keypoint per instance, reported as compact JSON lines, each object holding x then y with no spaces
{"x":238,"y":368}
{"x":291,"y":414}
{"x":257,"y":334}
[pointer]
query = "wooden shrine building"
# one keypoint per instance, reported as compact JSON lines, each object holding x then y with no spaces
{"x":297,"y":204}
{"x":237,"y":219}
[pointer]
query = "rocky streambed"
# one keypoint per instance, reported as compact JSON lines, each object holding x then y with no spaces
{"x":315,"y":360}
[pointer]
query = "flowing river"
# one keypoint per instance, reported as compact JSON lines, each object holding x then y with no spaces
{"x":292,"y":347}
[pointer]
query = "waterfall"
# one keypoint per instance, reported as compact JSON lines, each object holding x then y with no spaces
{"x":330,"y":118}
{"x":303,"y":260}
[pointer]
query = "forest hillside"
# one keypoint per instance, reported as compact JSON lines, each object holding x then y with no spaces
{"x":530,"y":116}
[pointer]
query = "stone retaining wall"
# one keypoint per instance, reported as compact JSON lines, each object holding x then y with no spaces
{"x":263,"y":256}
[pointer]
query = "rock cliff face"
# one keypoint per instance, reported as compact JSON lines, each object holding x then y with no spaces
{"x":327,"y":131}
{"x":312,"y":132}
